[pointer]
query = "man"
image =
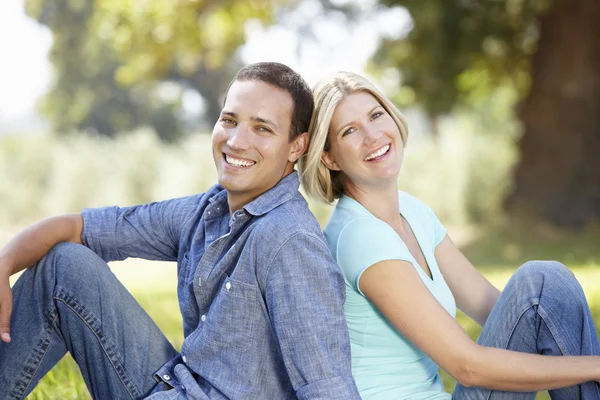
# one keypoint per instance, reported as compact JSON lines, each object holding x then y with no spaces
{"x":260,"y":295}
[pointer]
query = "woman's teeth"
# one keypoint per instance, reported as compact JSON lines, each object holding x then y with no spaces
{"x":378,"y":153}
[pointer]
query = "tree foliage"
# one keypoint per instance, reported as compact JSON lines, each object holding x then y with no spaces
{"x":459,"y":51}
{"x":111,"y":55}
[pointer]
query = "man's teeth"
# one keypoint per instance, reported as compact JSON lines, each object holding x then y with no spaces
{"x":378,"y":153}
{"x":238,"y":162}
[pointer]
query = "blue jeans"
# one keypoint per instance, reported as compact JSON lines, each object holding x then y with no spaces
{"x":71,"y":301}
{"x":542,"y":310}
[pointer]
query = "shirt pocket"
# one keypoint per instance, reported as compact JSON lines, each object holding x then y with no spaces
{"x":231,"y":318}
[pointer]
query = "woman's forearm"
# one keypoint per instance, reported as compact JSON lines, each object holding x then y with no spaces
{"x":510,"y":370}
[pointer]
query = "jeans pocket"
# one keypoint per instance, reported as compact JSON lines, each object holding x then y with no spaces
{"x":231,"y":318}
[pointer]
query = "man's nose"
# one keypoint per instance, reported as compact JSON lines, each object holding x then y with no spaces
{"x":239,"y":137}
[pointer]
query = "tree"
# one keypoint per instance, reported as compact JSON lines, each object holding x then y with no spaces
{"x":550,"y":52}
{"x":110,"y":57}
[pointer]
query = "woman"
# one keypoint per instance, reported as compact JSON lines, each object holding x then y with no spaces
{"x":405,"y":277}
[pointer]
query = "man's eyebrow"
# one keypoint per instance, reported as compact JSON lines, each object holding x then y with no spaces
{"x":255,"y":119}
{"x":229,"y":114}
{"x":264,"y":121}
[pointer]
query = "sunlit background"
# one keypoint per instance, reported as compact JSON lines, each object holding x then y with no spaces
{"x":112,"y":102}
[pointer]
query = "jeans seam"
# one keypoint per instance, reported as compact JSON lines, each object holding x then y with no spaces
{"x":544,"y":316}
{"x":512,"y":331}
{"x":103,"y":345}
{"x":43,"y":346}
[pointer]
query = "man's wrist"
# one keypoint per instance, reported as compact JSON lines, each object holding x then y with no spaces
{"x":6,"y":266}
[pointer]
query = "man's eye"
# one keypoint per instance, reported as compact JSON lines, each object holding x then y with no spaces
{"x":227,"y":121}
{"x":264,"y":129}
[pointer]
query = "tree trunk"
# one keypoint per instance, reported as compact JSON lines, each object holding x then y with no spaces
{"x":211,"y":84}
{"x":558,"y":177}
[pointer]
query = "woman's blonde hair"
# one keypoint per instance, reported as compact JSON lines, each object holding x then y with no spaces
{"x":318,"y":180}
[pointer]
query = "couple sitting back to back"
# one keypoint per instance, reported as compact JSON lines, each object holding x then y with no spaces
{"x":267,"y":312}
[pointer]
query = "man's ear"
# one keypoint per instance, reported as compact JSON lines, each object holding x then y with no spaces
{"x":329,"y":161}
{"x":299,"y":146}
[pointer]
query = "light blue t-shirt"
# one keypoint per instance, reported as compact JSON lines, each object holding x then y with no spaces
{"x":385,"y":364}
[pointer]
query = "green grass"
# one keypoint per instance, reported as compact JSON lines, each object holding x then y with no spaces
{"x":64,"y":381}
{"x":497,"y":251}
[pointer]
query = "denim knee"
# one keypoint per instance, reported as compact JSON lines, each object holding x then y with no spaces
{"x":545,"y":268}
{"x":549,"y":276}
{"x":70,"y":264}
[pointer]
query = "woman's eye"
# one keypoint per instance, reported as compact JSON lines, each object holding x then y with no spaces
{"x":348,"y":131}
{"x":376,"y":115}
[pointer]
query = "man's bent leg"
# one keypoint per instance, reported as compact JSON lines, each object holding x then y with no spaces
{"x":71,"y":301}
{"x":542,"y":310}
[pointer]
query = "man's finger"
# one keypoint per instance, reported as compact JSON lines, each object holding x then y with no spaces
{"x":5,"y":309}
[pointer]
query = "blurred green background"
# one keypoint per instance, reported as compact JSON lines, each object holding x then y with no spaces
{"x":502,"y":99}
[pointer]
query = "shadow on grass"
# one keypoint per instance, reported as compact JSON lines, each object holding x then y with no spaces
{"x":513,"y":242}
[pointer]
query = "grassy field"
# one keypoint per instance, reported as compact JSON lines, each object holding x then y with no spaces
{"x":498,"y":256}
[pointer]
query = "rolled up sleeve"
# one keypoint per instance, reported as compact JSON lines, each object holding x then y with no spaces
{"x":305,"y":296}
{"x":150,"y":231}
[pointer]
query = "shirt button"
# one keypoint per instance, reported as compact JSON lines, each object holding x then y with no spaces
{"x":203,"y":317}
{"x":199,"y":281}
{"x":184,"y":359}
{"x":166,"y":377}
{"x":228,"y":285}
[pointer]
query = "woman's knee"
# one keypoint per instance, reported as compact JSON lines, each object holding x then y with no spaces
{"x":549,"y":275}
{"x":545,"y":269}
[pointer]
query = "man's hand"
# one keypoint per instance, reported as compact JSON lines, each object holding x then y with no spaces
{"x":26,"y":249}
{"x":5,"y":308}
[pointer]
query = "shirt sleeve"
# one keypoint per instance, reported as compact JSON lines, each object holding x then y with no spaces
{"x":429,"y":217}
{"x":439,"y":232}
{"x":364,"y":242}
{"x":150,"y":231}
{"x":305,"y":295}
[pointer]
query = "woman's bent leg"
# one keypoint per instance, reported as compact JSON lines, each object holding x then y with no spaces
{"x":71,"y":301}
{"x":542,"y":310}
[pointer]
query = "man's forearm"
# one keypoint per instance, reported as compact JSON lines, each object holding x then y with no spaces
{"x":30,"y":245}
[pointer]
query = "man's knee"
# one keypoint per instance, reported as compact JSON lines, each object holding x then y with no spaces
{"x":73,"y":262}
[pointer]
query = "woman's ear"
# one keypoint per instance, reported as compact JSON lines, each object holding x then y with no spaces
{"x":299,"y":146}
{"x":329,"y":161}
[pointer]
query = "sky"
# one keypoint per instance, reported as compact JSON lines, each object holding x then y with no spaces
{"x":26,"y":73}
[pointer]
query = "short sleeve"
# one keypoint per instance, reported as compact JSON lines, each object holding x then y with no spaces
{"x":439,"y":232}
{"x":364,"y":242}
{"x":435,"y":229}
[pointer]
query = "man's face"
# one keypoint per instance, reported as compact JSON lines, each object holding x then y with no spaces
{"x":251,"y":146}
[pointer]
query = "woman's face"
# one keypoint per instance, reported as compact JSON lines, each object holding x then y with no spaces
{"x":364,"y":142}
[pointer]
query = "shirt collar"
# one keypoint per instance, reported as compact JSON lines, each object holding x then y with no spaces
{"x":282,"y":192}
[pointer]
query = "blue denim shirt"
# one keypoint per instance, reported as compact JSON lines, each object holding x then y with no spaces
{"x":260,"y":294}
